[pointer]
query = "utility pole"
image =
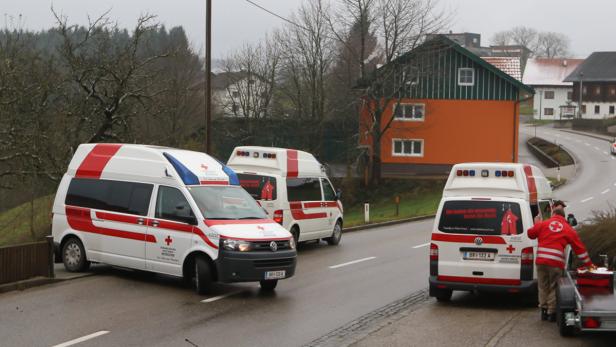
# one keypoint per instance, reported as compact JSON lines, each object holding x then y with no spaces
{"x":208,"y":76}
{"x":580,"y":96}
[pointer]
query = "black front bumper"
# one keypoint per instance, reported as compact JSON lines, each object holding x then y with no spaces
{"x":251,"y":266}
{"x":524,"y":287}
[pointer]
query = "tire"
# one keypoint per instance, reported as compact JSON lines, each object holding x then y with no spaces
{"x":441,"y":295}
{"x":334,"y":240}
{"x":295,"y":234}
{"x":203,"y":276}
{"x":565,"y":331}
{"x":74,"y":256}
{"x":268,"y":285}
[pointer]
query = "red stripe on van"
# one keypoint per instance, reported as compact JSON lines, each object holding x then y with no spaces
{"x":217,"y":183}
{"x":530,"y":181}
{"x":181,"y":227}
{"x":94,"y":163}
{"x":253,"y":239}
{"x":479,"y":280}
{"x":81,"y":219}
{"x":487,"y":239}
{"x":292,"y":165}
{"x":297,"y":212}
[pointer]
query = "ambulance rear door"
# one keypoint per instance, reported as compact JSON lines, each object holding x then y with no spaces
{"x":481,"y":240}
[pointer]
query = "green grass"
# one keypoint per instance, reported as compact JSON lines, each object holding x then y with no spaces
{"x":15,"y":223}
{"x":383,"y":208}
{"x":554,"y":151}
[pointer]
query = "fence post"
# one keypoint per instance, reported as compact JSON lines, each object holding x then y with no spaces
{"x":397,"y":205}
{"x":51,"y":256}
{"x":366,"y":213}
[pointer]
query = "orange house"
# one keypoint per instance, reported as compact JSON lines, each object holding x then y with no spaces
{"x":439,"y":105}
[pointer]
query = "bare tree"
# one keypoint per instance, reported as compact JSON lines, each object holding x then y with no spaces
{"x":501,"y":38}
{"x":110,"y":73}
{"x":552,"y":45}
{"x":525,"y":36}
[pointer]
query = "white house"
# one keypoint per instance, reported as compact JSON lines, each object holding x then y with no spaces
{"x":595,"y":78}
{"x":553,"y":96}
{"x":240,"y":94}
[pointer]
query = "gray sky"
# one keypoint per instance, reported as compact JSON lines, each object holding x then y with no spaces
{"x":588,"y":23}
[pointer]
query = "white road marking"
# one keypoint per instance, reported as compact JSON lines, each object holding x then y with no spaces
{"x":82,"y":339}
{"x":351,"y":262}
{"x":214,"y":298}
{"x":597,"y":148}
{"x":605,"y":152}
{"x":587,"y":144}
{"x":605,"y":191}
{"x":587,"y":199}
{"x":422,"y":245}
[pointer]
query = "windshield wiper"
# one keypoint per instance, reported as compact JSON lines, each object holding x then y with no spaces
{"x":251,"y":218}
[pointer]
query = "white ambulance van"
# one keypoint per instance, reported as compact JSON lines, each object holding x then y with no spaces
{"x":479,"y":239}
{"x":166,"y":210}
{"x":293,"y":188}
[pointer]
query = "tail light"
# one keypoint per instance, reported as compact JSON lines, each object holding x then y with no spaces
{"x":527,"y":256}
{"x":433,"y":252}
{"x":278,"y":216}
{"x":591,"y":323}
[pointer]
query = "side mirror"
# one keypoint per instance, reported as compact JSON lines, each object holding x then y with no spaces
{"x":338,"y":194}
{"x":572,"y":220}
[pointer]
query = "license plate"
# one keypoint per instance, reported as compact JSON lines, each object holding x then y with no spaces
{"x":487,"y":256}
{"x":275,"y":275}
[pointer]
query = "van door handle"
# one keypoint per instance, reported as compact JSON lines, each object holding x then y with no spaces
{"x":155,"y":223}
{"x":140,"y":221}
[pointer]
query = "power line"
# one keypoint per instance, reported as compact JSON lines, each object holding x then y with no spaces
{"x":276,"y":15}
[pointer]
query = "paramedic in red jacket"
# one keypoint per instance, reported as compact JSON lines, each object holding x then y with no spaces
{"x":553,"y":235}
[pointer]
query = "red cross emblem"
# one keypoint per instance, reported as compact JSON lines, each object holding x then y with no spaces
{"x":204,"y":167}
{"x":260,"y":227}
{"x":510,"y":249}
{"x":556,"y":227}
{"x":168,"y":240}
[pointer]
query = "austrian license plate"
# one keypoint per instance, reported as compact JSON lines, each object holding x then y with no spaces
{"x":275,"y":275}
{"x":487,"y":256}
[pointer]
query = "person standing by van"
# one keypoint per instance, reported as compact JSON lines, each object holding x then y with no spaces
{"x":553,"y":235}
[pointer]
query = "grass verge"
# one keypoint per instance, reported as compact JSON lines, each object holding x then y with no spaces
{"x":26,"y":222}
{"x":553,"y":151}
{"x":416,"y":199}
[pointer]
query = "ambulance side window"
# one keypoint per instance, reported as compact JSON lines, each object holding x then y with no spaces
{"x":304,"y":189}
{"x":328,"y":191}
{"x":116,"y":196}
{"x":545,"y":208}
{"x":172,"y":205}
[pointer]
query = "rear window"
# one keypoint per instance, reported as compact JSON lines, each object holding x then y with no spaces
{"x":481,"y":218}
{"x":117,"y":196}
{"x":258,"y":186}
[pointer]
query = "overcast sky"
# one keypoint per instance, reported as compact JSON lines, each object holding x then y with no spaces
{"x":588,"y":23}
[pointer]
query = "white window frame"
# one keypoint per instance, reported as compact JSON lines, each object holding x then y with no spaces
{"x":405,"y":117}
{"x":472,"y":70}
{"x":393,"y":148}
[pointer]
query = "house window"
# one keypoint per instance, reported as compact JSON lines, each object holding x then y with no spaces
{"x":548,"y":111}
{"x":466,"y":76}
{"x":611,"y":109}
{"x":597,"y":90}
{"x":549,"y":94}
{"x":409,"y":112}
{"x":407,"y":148}
{"x":612,"y":91}
{"x":584,"y":90}
{"x":597,"y":109}
{"x":583,"y":109}
{"x":569,"y":95}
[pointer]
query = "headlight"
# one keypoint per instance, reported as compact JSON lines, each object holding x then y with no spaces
{"x":236,"y":245}
{"x":292,"y":243}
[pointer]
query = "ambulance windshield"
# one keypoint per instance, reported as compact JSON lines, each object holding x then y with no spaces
{"x":226,"y":202}
{"x":481,"y":218}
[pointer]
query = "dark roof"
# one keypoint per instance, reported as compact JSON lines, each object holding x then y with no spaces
{"x":598,"y":67}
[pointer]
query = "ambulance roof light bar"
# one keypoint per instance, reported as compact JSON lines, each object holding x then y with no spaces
{"x":485,"y":173}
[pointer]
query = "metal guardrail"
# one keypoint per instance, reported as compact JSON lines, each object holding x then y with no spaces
{"x":542,"y":156}
{"x":24,"y":261}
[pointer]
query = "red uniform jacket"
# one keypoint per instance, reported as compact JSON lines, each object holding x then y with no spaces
{"x":553,"y":236}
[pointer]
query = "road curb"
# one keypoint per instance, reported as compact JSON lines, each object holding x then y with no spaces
{"x":598,"y":137}
{"x":388,"y":223}
{"x":37,"y":281}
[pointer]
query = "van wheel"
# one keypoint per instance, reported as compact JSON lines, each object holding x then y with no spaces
{"x":268,"y":285}
{"x":441,"y":295}
{"x":74,"y":256}
{"x":203,"y":276}
{"x":295,"y":234}
{"x":334,"y":240}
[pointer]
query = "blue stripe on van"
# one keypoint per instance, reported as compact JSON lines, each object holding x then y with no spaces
{"x":233,"y":179}
{"x":187,"y":176}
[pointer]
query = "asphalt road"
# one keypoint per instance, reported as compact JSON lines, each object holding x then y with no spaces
{"x":332,"y":286}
